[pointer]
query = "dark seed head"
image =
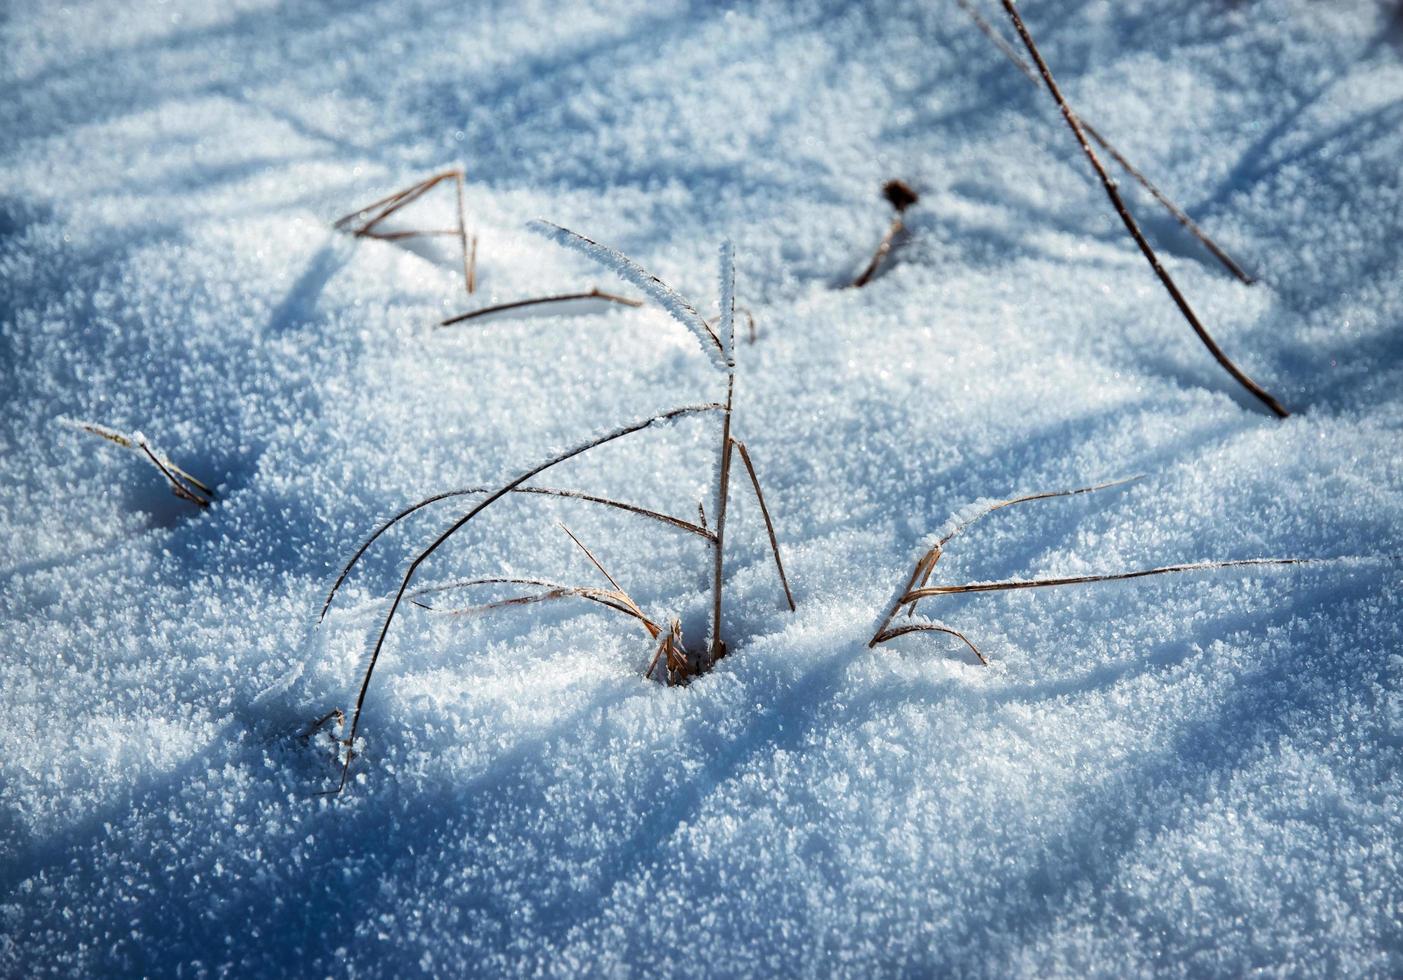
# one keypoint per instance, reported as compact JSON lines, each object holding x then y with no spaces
{"x":899,"y":194}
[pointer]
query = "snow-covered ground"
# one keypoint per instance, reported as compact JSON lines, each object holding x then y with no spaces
{"x":1195,"y":774}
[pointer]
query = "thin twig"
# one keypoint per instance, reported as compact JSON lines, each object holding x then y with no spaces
{"x":769,"y":525}
{"x":1174,"y":210}
{"x":537,"y":301}
{"x":1134,"y":229}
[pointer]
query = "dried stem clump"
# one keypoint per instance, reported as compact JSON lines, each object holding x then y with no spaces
{"x":365,"y":222}
{"x":718,"y":343}
{"x":182,"y":484}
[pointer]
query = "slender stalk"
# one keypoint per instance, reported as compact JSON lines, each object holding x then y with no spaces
{"x":723,"y":487}
{"x":562,"y":298}
{"x":469,"y":261}
{"x":1174,"y":210}
{"x":900,"y":196}
{"x":883,"y":247}
{"x":177,"y":487}
{"x":438,"y":542}
{"x":769,"y":525}
{"x":1134,"y":229}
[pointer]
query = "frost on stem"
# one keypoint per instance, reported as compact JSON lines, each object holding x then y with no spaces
{"x":631,"y":272}
{"x":727,"y":324}
{"x":916,"y":587}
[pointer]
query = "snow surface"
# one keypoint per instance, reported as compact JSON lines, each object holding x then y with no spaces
{"x":1188,"y":775}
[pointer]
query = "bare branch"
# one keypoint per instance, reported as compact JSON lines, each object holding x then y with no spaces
{"x":1174,"y":210}
{"x":1113,"y":193}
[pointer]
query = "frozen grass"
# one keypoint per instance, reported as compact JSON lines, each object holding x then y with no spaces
{"x":1185,"y":774}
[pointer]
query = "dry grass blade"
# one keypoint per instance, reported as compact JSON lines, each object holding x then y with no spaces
{"x":378,"y":211}
{"x":182,"y":484}
{"x":905,"y":628}
{"x":916,"y":588}
{"x":1041,"y":583}
{"x":667,"y":519}
{"x":769,"y":525}
{"x":179,"y":488}
{"x":1113,"y":193}
{"x":1177,"y":213}
{"x":618,"y":592}
{"x":670,"y":653}
{"x":617,"y":600}
{"x":457,"y":525}
{"x":539,"y":301}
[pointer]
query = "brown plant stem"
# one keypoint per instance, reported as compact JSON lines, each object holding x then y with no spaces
{"x":905,"y":628}
{"x":926,"y":566}
{"x":883,"y":248}
{"x":1174,"y":210}
{"x":562,"y":298}
{"x":1114,"y":194}
{"x":386,"y":206}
